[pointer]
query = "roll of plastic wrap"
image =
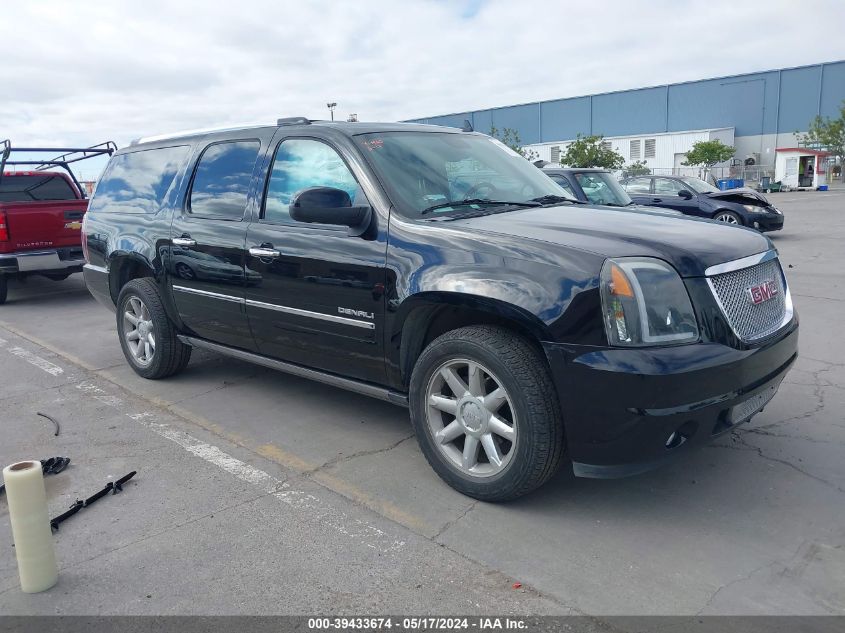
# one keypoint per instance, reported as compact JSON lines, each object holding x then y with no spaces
{"x":31,"y":531}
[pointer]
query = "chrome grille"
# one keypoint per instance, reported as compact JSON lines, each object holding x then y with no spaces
{"x":748,"y":320}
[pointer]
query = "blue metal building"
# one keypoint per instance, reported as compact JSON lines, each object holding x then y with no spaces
{"x":764,"y":109}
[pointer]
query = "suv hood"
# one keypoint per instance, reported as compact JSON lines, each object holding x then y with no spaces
{"x":689,"y":244}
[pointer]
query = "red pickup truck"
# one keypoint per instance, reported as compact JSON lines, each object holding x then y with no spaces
{"x":41,"y":213}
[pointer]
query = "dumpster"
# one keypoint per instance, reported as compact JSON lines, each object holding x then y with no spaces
{"x":730,"y":183}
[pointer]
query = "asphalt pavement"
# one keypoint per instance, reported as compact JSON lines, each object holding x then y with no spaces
{"x":258,"y":492}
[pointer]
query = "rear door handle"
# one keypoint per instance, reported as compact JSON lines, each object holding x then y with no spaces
{"x":264,"y":252}
{"x":185,"y":240}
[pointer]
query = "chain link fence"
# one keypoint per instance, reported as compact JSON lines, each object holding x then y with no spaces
{"x":751,"y":175}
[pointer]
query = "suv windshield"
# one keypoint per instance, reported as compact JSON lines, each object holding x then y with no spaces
{"x":428,"y":171}
{"x":699,"y":186}
{"x":601,"y":187}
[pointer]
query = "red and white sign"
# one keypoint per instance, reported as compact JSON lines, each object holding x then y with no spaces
{"x":763,"y":292}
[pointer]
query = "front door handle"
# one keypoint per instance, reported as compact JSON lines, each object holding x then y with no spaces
{"x":264,"y":252}
{"x":657,"y":199}
{"x":185,"y":240}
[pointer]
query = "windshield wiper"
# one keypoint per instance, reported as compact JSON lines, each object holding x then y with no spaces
{"x":471,"y":201}
{"x":555,"y":199}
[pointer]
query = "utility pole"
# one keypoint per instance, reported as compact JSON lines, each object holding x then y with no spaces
{"x":331,"y":106}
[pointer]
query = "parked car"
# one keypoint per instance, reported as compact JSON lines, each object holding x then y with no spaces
{"x":41,"y":213}
{"x":695,"y":197}
{"x":596,"y":186}
{"x":516,"y":325}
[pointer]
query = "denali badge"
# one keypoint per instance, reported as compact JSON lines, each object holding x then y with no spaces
{"x":358,"y":313}
{"x":763,"y":292}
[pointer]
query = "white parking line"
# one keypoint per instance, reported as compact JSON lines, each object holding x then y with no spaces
{"x":39,"y":362}
{"x":314,"y":508}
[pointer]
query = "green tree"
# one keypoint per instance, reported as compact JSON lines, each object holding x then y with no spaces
{"x":588,"y":151}
{"x":510,"y":137}
{"x":708,"y":153}
{"x":638,"y":168}
{"x":826,"y":133}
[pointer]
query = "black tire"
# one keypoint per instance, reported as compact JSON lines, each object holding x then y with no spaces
{"x":170,"y":355}
{"x":725,"y":213}
{"x":523,"y":372}
{"x":4,"y":288}
{"x":58,"y":276}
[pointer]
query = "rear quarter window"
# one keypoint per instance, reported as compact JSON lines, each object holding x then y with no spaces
{"x":139,"y":182}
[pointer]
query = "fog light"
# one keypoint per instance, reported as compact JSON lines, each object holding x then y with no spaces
{"x":684,"y":432}
{"x":675,"y":440}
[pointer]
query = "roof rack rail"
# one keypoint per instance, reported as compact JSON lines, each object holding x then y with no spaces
{"x":67,"y":155}
{"x":294,"y":120}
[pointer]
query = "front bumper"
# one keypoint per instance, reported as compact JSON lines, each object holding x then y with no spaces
{"x":41,"y":261}
{"x":621,"y":407}
{"x":767,"y":221}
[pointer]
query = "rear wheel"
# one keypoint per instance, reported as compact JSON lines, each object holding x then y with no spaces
{"x":4,"y":288}
{"x":147,"y":336}
{"x":485,"y":413}
{"x":728,"y":217}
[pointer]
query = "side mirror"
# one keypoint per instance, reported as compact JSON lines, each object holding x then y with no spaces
{"x":327,"y":205}
{"x":685,"y":194}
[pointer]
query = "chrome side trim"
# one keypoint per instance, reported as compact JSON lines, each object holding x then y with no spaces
{"x":367,"y":389}
{"x":206,"y":293}
{"x":367,"y":325}
{"x":739,"y":264}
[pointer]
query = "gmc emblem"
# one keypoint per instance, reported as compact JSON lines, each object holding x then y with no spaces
{"x":763,"y":292}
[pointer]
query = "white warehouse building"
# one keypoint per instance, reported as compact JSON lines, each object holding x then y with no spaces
{"x":657,"y":151}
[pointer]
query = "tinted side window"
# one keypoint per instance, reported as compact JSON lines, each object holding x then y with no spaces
{"x":222,"y":178}
{"x":138,"y":182}
{"x":638,"y":185}
{"x":302,"y":163}
{"x":666,"y":186}
{"x":564,"y":184}
{"x":17,"y":188}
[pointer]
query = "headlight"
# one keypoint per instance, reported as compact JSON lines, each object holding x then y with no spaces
{"x":645,"y":303}
{"x":753,"y":208}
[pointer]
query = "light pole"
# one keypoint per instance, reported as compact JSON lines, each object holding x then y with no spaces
{"x":331,"y":106}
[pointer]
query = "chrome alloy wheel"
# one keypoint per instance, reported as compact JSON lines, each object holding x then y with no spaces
{"x":729,"y":218}
{"x":471,"y":418}
{"x":138,"y":331}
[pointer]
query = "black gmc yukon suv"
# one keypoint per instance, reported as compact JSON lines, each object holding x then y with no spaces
{"x":439,"y":270}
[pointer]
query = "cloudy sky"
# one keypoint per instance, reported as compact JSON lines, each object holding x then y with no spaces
{"x":81,"y":72}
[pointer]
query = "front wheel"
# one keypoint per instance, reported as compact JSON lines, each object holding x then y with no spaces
{"x":148,"y":338}
{"x":728,"y":217}
{"x":485,"y":413}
